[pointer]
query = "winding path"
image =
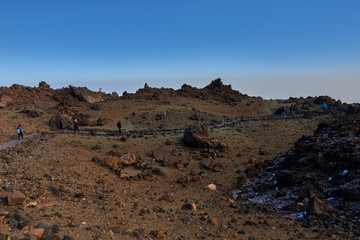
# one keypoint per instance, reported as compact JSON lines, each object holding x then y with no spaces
{"x":13,"y":143}
{"x":94,"y":132}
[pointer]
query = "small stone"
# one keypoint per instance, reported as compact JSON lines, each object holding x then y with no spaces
{"x":187,"y":206}
{"x":211,"y":187}
{"x":124,"y":176}
{"x":252,"y":160}
{"x":37,"y":232}
{"x":213,"y":221}
{"x":180,"y":166}
{"x":66,"y":237}
{"x":167,"y":197}
{"x":160,"y":235}
{"x":193,"y":205}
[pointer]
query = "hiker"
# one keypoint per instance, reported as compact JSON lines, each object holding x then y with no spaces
{"x":292,"y":110}
{"x":61,"y":125}
{"x":76,"y":125}
{"x":283,"y":112}
{"x":324,"y":107}
{"x":20,"y":132}
{"x":119,"y":126}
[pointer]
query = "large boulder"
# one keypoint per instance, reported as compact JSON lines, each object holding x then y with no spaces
{"x":196,"y":135}
{"x":116,"y":162}
{"x":54,"y":121}
{"x":102,"y":121}
{"x":113,"y":162}
{"x":82,"y":118}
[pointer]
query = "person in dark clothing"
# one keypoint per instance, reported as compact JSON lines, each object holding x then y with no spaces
{"x":119,"y":126}
{"x":20,"y":132}
{"x":76,"y":125}
{"x":60,"y":125}
{"x":292,"y":110}
{"x":283,"y":112}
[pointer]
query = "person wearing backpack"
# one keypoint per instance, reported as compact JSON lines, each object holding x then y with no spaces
{"x":324,"y":107}
{"x":20,"y":132}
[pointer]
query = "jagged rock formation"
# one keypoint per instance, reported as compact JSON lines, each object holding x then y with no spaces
{"x":44,"y":95}
{"x":216,"y":90}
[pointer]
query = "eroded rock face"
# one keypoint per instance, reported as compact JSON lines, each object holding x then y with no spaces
{"x":84,"y":94}
{"x":196,"y":135}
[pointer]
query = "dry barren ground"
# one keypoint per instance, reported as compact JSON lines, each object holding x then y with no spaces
{"x":88,"y":201}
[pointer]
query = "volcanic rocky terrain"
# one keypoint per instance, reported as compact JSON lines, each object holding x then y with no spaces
{"x":209,"y":163}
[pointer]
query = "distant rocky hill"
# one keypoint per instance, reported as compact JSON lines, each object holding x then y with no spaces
{"x":43,"y":94}
{"x":216,"y":90}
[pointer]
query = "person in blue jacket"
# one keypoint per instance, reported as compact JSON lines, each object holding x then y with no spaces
{"x":324,"y":107}
{"x":20,"y":132}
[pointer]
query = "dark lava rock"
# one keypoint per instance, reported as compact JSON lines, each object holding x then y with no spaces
{"x":318,"y":179}
{"x":19,"y":216}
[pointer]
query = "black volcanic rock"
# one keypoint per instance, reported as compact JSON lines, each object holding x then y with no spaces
{"x":317,"y":178}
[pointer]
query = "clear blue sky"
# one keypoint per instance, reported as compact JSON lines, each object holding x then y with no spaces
{"x":268,"y":48}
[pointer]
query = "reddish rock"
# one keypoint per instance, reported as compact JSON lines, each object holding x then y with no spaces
{"x":252,"y":160}
{"x":37,"y":232}
{"x":15,"y":198}
{"x":113,"y":162}
{"x":124,"y":176}
{"x":193,"y":206}
{"x":213,"y":221}
{"x":182,"y":180}
{"x":160,"y":235}
{"x":197,"y":178}
{"x":180,"y":166}
{"x":128,"y":159}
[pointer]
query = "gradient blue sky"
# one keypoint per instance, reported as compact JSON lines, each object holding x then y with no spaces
{"x":268,"y":48}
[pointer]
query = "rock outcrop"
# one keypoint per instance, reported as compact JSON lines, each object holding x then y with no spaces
{"x":317,"y":178}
